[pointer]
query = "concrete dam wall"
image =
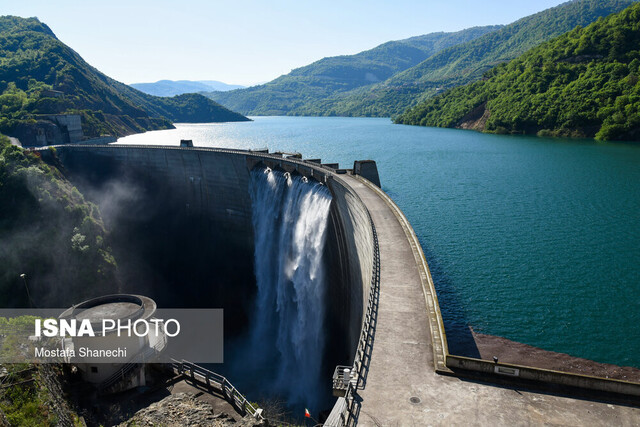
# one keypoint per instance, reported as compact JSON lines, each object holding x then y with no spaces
{"x":211,"y":189}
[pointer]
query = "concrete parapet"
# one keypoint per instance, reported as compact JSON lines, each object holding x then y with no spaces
{"x":336,"y":418}
{"x":547,"y":376}
{"x":333,"y":166}
{"x":367,"y":169}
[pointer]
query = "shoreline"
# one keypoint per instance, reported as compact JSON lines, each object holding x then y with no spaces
{"x":517,"y":353}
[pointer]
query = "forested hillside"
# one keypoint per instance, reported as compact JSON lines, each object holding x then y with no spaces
{"x":306,"y":88}
{"x":467,"y":62}
{"x":50,"y":233}
{"x":583,"y":83}
{"x":41,"y":75}
{"x":387,"y":80}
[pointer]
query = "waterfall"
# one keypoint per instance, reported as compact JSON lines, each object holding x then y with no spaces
{"x":290,"y":216}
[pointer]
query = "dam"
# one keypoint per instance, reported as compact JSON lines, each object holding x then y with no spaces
{"x":380,"y":302}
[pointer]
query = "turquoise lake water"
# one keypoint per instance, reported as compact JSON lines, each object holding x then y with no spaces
{"x":533,"y":239}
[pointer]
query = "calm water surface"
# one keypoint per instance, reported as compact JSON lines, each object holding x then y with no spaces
{"x":533,"y":239}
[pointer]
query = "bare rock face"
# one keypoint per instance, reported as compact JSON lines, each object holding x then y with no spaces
{"x":475,"y":119}
{"x":184,"y":409}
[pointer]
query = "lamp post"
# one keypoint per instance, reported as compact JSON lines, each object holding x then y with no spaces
{"x":24,"y":279}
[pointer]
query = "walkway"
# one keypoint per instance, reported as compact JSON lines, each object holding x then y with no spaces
{"x":401,"y":371}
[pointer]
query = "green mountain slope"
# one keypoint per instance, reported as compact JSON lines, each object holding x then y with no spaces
{"x":467,"y":62}
{"x":41,"y":75}
{"x":307,"y":86}
{"x":49,"y":232}
{"x":583,"y":83}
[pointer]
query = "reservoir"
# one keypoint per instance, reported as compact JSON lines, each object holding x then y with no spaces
{"x":532,"y":239}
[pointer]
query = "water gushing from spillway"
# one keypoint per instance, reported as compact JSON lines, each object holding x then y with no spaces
{"x":290,"y":216}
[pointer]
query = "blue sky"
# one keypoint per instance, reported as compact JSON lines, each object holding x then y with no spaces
{"x":246,"y":42}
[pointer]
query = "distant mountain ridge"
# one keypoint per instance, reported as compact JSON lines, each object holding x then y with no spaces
{"x":40,"y":75}
{"x":311,"y":84}
{"x":450,"y":64}
{"x":178,"y":87}
{"x":583,"y":83}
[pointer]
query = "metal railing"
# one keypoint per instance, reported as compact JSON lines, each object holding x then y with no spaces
{"x":143,"y":356}
{"x":211,"y":380}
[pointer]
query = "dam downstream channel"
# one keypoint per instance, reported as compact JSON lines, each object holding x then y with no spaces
{"x":532,"y":239}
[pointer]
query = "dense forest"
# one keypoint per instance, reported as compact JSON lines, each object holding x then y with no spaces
{"x":41,"y":75}
{"x":400,"y":76}
{"x":309,"y":86}
{"x":583,"y":83}
{"x":467,"y":62}
{"x":49,"y":232}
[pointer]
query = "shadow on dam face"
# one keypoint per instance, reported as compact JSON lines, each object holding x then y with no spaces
{"x":194,"y":230}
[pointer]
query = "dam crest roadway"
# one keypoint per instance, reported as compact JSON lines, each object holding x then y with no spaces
{"x":407,"y":376}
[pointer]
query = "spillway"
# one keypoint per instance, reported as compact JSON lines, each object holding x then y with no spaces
{"x":290,"y":217}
